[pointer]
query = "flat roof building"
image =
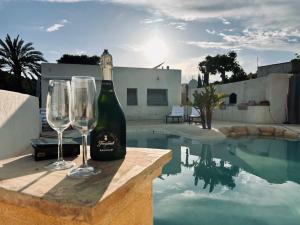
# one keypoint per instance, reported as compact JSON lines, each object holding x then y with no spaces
{"x":143,"y":93}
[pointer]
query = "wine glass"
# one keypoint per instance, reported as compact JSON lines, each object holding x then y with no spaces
{"x":58,"y":117}
{"x":83,"y":117}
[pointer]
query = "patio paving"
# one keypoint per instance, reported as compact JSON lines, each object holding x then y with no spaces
{"x":187,"y":130}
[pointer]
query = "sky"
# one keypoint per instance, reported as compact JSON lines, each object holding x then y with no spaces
{"x":140,"y":33}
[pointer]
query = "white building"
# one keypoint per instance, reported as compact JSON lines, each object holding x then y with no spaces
{"x":143,"y":93}
{"x":263,"y":71}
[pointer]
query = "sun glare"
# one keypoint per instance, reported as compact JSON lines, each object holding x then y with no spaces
{"x":156,"y":50}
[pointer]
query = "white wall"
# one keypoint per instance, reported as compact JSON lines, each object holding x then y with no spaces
{"x":277,"y":89}
{"x":273,"y":88}
{"x":254,"y":114}
{"x":124,"y":77}
{"x":19,"y":122}
{"x":254,"y":89}
{"x":142,"y":79}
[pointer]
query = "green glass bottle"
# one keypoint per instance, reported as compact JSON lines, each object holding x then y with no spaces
{"x":108,"y":139}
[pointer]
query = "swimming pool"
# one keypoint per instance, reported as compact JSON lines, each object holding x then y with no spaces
{"x":233,"y":181}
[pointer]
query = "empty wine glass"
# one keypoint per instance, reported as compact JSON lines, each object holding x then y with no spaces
{"x":57,"y":114}
{"x":83,"y":117}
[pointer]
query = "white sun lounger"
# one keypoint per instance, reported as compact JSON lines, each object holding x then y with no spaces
{"x":194,"y":114}
{"x":177,"y":112}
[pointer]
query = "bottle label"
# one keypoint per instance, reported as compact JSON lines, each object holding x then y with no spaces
{"x":107,"y":142}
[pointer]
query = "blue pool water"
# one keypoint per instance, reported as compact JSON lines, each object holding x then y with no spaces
{"x":234,"y":181}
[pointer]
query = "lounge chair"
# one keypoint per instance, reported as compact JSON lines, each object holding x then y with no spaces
{"x":45,"y":129}
{"x":177,"y":112}
{"x":194,"y":114}
{"x":43,"y":121}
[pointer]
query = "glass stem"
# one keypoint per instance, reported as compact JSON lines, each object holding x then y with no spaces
{"x":84,"y":150}
{"x":60,"y":150}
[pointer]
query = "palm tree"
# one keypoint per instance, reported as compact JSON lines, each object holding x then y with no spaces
{"x":20,"y":58}
{"x":205,"y":102}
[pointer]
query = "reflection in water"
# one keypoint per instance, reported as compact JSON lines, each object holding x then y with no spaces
{"x":187,"y":164}
{"x":235,"y":181}
{"x":213,"y":173}
{"x":276,"y":161}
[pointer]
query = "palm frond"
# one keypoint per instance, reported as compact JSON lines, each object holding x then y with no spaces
{"x":19,"y":57}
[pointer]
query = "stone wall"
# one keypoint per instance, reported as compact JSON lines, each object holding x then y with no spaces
{"x":19,"y":122}
{"x":264,"y":131}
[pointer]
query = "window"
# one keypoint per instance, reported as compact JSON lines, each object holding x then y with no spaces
{"x":132,"y":96}
{"x":232,"y":98}
{"x":157,"y":97}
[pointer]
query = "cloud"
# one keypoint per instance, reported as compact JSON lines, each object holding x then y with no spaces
{"x":229,"y":30}
{"x":268,"y":24}
{"x":210,"y":31}
{"x":252,"y":13}
{"x":215,"y":45}
{"x":64,"y":21}
{"x":152,"y":20}
{"x":178,"y":25}
{"x":224,"y":21}
{"x":286,"y":39}
{"x":57,"y":26}
{"x":267,"y":11}
{"x":221,"y":9}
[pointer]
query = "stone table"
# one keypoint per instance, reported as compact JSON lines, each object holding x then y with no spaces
{"x":121,"y":194}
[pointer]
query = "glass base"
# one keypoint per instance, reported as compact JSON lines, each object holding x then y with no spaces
{"x":82,"y":172}
{"x":60,"y":165}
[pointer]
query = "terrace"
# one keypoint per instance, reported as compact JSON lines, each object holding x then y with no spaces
{"x":189,"y":116}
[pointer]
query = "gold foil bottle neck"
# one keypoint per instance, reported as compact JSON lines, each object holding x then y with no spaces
{"x":106,"y":65}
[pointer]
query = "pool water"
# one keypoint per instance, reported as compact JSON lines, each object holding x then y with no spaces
{"x":233,"y":181}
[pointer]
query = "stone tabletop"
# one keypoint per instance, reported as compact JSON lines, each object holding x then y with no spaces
{"x":25,"y":182}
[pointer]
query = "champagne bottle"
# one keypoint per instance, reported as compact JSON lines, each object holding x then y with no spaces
{"x":108,"y":139}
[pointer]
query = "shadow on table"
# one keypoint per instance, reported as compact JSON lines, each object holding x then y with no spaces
{"x":85,"y":191}
{"x":21,"y":166}
{"x":25,"y":169}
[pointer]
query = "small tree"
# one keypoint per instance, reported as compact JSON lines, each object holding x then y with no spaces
{"x":205,"y":102}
